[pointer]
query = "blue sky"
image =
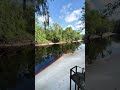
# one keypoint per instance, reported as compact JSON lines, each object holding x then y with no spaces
{"x":66,"y":12}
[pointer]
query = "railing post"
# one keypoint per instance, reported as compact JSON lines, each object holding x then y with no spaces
{"x":70,"y":78}
{"x":76,"y":69}
{"x":75,"y":86}
{"x":82,"y":70}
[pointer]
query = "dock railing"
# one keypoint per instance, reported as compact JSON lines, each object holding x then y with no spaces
{"x":79,"y":74}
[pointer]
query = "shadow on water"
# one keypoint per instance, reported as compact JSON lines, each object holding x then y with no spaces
{"x":100,"y":48}
{"x":17,"y":68}
{"x":48,"y":54}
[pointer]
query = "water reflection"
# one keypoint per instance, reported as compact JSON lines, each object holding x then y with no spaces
{"x":17,"y":68}
{"x":100,"y":48}
{"x":48,"y":54}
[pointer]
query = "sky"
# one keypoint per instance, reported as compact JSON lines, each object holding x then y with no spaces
{"x":66,"y":13}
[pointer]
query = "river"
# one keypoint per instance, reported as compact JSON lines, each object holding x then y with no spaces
{"x":17,"y":68}
{"x":55,"y":74}
{"x":103,"y":63}
{"x":21,"y":66}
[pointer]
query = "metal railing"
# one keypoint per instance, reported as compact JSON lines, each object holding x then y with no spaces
{"x":73,"y":71}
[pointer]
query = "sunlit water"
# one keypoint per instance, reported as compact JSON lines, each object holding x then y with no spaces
{"x":56,"y":76}
{"x":50,"y":54}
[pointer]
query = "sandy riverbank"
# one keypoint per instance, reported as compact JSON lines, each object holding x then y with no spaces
{"x":58,"y":43}
{"x":56,"y":76}
{"x":19,"y":44}
{"x":104,"y":74}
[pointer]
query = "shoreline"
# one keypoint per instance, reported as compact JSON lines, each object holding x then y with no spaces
{"x":58,"y":43}
{"x":35,"y":44}
{"x":103,"y":35}
{"x":15,"y":45}
{"x":19,"y":44}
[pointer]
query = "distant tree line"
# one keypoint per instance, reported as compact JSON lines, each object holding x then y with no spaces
{"x":55,"y":33}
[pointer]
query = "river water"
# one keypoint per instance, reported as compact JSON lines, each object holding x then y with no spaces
{"x":56,"y":74}
{"x":45,"y":56}
{"x":18,"y":65}
{"x":17,"y":68}
{"x":103,"y":63}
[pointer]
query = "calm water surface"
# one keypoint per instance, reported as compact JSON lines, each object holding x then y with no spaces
{"x":102,"y":48}
{"x":17,"y":68}
{"x":103,"y":63}
{"x":49,"y":54}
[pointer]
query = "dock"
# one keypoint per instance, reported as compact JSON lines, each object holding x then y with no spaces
{"x":78,"y":77}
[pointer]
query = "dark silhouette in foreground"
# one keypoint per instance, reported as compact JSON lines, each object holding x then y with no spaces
{"x":77,"y":77}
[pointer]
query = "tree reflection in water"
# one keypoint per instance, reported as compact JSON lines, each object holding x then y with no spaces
{"x":100,"y":48}
{"x":48,"y":54}
{"x":17,"y":68}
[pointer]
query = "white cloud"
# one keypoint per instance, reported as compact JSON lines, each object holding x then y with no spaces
{"x":51,"y":20}
{"x":65,"y":8}
{"x":42,"y":19}
{"x":73,"y":16}
{"x":79,"y":25}
{"x":83,"y":31}
{"x":71,"y":26}
{"x":68,"y":15}
{"x":79,"y":22}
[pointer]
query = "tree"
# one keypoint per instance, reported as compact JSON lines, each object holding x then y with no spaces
{"x":96,"y":23}
{"x":55,"y":34}
{"x":40,"y":35}
{"x":41,"y":8}
{"x":14,"y":27}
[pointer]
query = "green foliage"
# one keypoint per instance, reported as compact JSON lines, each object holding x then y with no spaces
{"x":40,"y":35}
{"x":55,"y":34}
{"x":56,"y":50}
{"x":96,"y":23}
{"x":16,"y":23}
{"x":70,"y":35}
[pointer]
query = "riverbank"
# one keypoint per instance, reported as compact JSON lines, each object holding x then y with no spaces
{"x":19,"y":44}
{"x":58,"y":43}
{"x":16,"y":44}
{"x":103,"y":35}
{"x":56,"y":76}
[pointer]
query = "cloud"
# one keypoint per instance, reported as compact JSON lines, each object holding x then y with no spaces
{"x":83,"y":31}
{"x":65,"y":8}
{"x":68,"y":15}
{"x":73,"y":16}
{"x":71,"y":26}
{"x":41,"y":19}
{"x":79,"y":22}
{"x":51,"y":20}
{"x":79,"y":25}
